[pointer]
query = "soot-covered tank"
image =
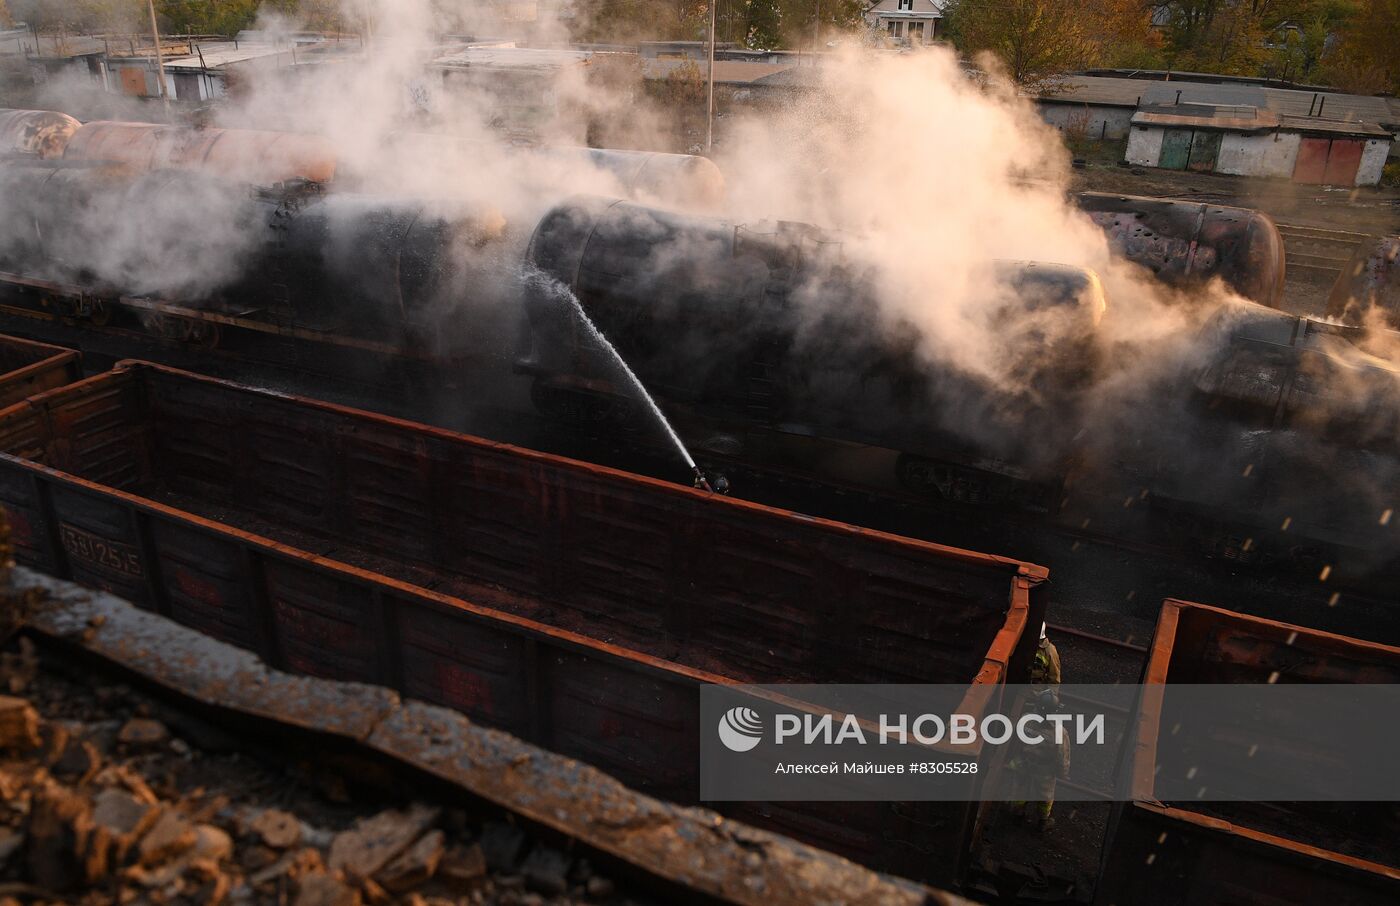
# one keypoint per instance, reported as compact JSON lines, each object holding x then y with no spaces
{"x":341,"y":265}
{"x":750,"y":331}
{"x":1285,"y":443}
{"x":1368,"y":288}
{"x":683,"y":180}
{"x":1186,"y":243}
{"x":266,"y":157}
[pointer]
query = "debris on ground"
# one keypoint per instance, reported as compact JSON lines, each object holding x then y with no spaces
{"x":108,"y":797}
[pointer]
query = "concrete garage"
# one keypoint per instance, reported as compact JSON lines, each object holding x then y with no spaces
{"x":1247,"y":141}
{"x":1228,"y":126}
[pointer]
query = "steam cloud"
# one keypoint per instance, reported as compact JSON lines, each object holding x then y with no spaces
{"x":932,"y":179}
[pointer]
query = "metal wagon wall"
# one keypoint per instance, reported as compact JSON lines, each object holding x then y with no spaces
{"x":564,"y":559}
{"x":1243,"y":853}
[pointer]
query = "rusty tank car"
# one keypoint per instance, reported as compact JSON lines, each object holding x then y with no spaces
{"x":254,"y":156}
{"x":1186,"y":243}
{"x":40,"y":133}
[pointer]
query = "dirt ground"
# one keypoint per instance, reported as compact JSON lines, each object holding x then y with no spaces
{"x":1362,"y":210}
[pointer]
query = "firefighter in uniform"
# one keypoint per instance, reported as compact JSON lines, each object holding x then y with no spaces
{"x":1035,"y":768}
{"x":1045,"y":666}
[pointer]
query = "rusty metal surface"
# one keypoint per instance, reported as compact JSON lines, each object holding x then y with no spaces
{"x":245,"y":155}
{"x":1186,"y":243}
{"x":43,"y":133}
{"x":1369,"y":285}
{"x":574,"y":605}
{"x":1276,"y":854}
{"x":715,"y":858}
{"x":27,"y":368}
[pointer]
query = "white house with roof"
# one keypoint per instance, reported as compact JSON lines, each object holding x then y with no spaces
{"x":906,"y":21}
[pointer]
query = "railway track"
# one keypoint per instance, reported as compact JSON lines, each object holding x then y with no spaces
{"x":1319,"y":253}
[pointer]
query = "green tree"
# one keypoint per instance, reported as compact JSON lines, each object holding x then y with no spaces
{"x":641,"y":20}
{"x":206,"y":17}
{"x":1366,"y":57}
{"x":763,"y":24}
{"x":1034,"y":39}
{"x":1249,"y":37}
{"x":800,"y":20}
{"x":78,"y":16}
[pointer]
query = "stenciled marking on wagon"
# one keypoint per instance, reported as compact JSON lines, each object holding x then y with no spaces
{"x":103,"y":552}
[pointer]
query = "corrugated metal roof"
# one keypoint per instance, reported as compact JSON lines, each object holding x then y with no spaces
{"x":514,"y":58}
{"x":1394,"y":104}
{"x":1247,"y":119}
{"x":728,"y":72}
{"x":1195,"y":116}
{"x":1093,"y":90}
{"x":223,"y":53}
{"x":1337,"y":127}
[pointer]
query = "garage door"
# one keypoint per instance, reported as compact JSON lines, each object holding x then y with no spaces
{"x":1331,"y":162}
{"x":1176,"y":149}
{"x":1343,"y":160}
{"x":133,"y":81}
{"x":1205,"y":148}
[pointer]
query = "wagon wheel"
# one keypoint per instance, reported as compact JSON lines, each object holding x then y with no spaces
{"x":154,"y":323}
{"x":100,"y":314}
{"x":204,"y":334}
{"x":916,"y":474}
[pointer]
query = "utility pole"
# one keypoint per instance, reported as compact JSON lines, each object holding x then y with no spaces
{"x":710,"y":105}
{"x":816,"y":32}
{"x":160,"y":59}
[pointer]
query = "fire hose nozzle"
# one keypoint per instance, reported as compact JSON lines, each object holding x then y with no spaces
{"x":701,"y":482}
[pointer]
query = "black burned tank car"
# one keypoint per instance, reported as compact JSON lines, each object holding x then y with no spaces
{"x":1288,"y":445}
{"x":42,"y":230}
{"x":766,"y":330}
{"x":1369,"y":284}
{"x":366,"y":266}
{"x":389,"y":270}
{"x":1186,"y":243}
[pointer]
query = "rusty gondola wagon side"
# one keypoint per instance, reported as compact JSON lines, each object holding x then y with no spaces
{"x":1281,"y":854}
{"x":576,"y":606}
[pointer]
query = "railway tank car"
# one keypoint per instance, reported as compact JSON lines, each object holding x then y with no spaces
{"x":683,"y":180}
{"x":767,"y":344}
{"x":1368,"y":286}
{"x":1235,"y":449}
{"x":1293,"y":430}
{"x":209,"y":254}
{"x":40,"y":133}
{"x":255,"y":156}
{"x":266,"y":157}
{"x":1186,"y":243}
